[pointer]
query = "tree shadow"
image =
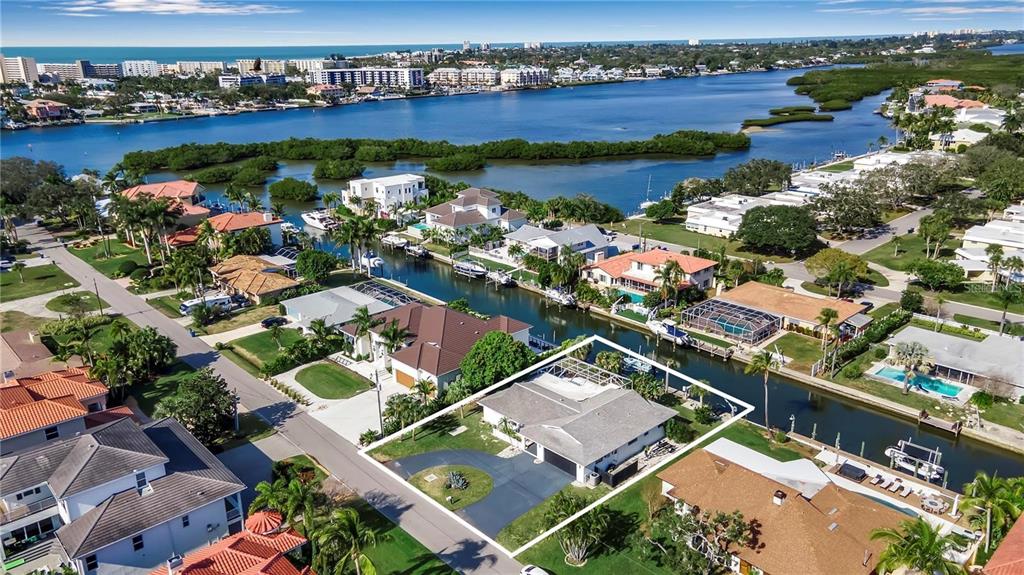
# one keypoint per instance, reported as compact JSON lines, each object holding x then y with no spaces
{"x":467,"y":555}
{"x":620,"y":527}
{"x":443,"y":424}
{"x":391,"y":506}
{"x":201,"y":360}
{"x":276,"y":413}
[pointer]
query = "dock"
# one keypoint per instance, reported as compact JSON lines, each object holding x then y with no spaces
{"x":952,"y":427}
{"x":716,"y":351}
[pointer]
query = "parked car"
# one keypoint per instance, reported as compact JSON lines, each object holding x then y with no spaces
{"x":532,"y":570}
{"x":272,"y":321}
{"x":868,"y":306}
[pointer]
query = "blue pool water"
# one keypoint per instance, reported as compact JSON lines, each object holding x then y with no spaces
{"x":731,"y":328}
{"x":635,"y":298}
{"x":928,"y":382}
{"x":421,"y":226}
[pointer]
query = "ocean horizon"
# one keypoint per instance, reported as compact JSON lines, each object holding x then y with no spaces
{"x":171,"y":54}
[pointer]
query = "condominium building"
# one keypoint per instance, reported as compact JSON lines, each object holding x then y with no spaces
{"x":74,"y":71}
{"x":197,"y":67}
{"x":445,"y":77}
{"x":720,"y":216}
{"x":147,"y":68}
{"x":524,"y":76}
{"x":239,"y":80}
{"x":480,"y":76}
{"x":1004,"y":233}
{"x":246,"y":65}
{"x":388,"y":194}
{"x":390,"y":77}
{"x":309,"y":64}
{"x":106,"y":71}
{"x":18,"y":69}
{"x":326,"y":91}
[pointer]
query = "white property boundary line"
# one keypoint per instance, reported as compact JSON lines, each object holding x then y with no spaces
{"x":364,"y":452}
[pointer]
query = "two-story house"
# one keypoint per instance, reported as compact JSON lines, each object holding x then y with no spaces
{"x":588,"y":240}
{"x":639,"y":273}
{"x":183,"y":198}
{"x":230,"y":223}
{"x":48,"y":406}
{"x":388,"y":196}
{"x":121,"y":499}
{"x":473,"y":209}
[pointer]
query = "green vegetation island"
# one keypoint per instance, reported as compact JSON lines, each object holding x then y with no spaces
{"x":787,"y":115}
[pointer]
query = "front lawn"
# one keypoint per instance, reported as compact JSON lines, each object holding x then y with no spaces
{"x":433,"y":481}
{"x":1010,"y":328}
{"x":911,"y":247}
{"x":241,"y":319}
{"x":331,"y":381}
{"x":524,"y":528}
{"x":435,"y":436}
{"x":93,"y":253}
{"x":167,"y":305}
{"x":260,"y":348}
{"x":75,"y":302}
{"x":396,"y":551}
{"x":979,"y":295}
{"x":884,"y":310}
{"x":675,"y":232}
{"x":99,"y":338}
{"x":16,"y":321}
{"x":37,"y":280}
{"x":802,"y":350}
{"x":147,"y":395}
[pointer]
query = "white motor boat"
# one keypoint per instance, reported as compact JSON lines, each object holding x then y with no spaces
{"x":667,"y":329}
{"x":394,"y":241}
{"x":501,"y":278}
{"x":417,"y":251}
{"x":371,"y":260}
{"x":916,"y":460}
{"x":562,"y":297}
{"x":469,"y":269}
{"x":319,"y":219}
{"x":289,"y":228}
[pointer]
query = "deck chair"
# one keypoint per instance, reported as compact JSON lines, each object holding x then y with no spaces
{"x":907,"y":490}
{"x":895,"y":486}
{"x":876,"y":479}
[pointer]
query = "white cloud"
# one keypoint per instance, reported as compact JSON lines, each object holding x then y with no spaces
{"x":935,"y":8}
{"x":88,"y":8}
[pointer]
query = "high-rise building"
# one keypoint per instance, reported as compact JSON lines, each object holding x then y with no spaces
{"x":105,"y":71}
{"x":694,"y":42}
{"x":533,"y":45}
{"x":390,"y":77}
{"x":76,"y":71}
{"x":147,"y":68}
{"x":525,"y":76}
{"x":485,"y":46}
{"x":466,"y":46}
{"x":238,"y":80}
{"x":18,"y":69}
{"x":195,"y":68}
{"x":246,"y":65}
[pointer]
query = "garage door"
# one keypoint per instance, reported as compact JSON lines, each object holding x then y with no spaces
{"x":560,"y":462}
{"x":404,"y":378}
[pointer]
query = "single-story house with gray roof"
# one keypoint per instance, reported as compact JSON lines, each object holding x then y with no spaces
{"x":334,"y":306}
{"x":574,"y":422}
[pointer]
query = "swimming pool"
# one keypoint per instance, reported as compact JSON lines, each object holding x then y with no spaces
{"x":731,"y":328}
{"x":635,"y":298}
{"x":421,"y":226}
{"x":927,"y":382}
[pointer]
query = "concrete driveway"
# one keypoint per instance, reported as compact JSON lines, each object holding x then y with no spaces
{"x":253,"y":462}
{"x":519,"y":483}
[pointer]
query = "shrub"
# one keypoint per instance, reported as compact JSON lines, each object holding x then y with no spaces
{"x":338,"y":169}
{"x":457,"y":480}
{"x":852,"y":371}
{"x":983,"y":399}
{"x":456,"y":163}
{"x":911,"y":301}
{"x":292,"y":189}
{"x":126,"y":268}
{"x":678,"y":431}
{"x":881,"y":353}
{"x":139,"y":275}
{"x":704,"y":415}
{"x":780,"y":436}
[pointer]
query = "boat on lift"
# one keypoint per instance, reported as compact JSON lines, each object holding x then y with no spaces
{"x":469,"y":269}
{"x":394,"y":241}
{"x":916,"y":460}
{"x":289,"y":228}
{"x":320,"y":219}
{"x":561,"y":297}
{"x":668,"y":330}
{"x":501,"y":278}
{"x":417,"y":251}
{"x":371,"y":260}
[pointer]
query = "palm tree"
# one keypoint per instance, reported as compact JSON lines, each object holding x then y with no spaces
{"x":300,"y":499}
{"x":609,"y":361}
{"x":275,"y":334}
{"x":424,"y":389}
{"x":329,"y":199}
{"x":825,"y":319}
{"x":917,"y":546}
{"x":763,"y":363}
{"x":572,"y":261}
{"x":911,"y":355}
{"x":670,"y":274}
{"x":343,"y":538}
{"x":456,"y":392}
{"x":995,"y":261}
{"x":516,"y":251}
{"x":277,"y":208}
{"x":253,"y":200}
{"x":698,"y":391}
{"x":64,"y":355}
{"x":272,"y":496}
{"x":234,"y":195}
{"x":19,"y":268}
{"x":1014,"y":119}
{"x":1006,"y":297}
{"x":364,"y":322}
{"x":320,"y":332}
{"x":992,"y":496}
{"x":348,"y":234}
{"x":394,"y":336}
{"x":1015,"y":265}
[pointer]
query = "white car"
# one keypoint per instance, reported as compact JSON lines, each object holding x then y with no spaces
{"x":533,"y":570}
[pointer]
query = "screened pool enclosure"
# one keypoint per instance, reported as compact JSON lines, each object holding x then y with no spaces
{"x":734,"y":321}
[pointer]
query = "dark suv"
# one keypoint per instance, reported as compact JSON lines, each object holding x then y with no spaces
{"x":272,"y":321}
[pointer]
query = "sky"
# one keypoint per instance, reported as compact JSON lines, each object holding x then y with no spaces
{"x":326,"y":22}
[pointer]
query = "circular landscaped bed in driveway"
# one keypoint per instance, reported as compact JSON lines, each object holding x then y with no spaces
{"x":437,"y":483}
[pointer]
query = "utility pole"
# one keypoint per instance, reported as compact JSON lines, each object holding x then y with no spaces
{"x":380,"y":414}
{"x":99,"y":302}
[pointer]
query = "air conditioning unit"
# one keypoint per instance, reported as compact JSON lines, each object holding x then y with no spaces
{"x":593,"y":478}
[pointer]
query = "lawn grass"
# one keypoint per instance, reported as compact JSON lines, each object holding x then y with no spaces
{"x":435,"y":437}
{"x":251,"y":427}
{"x":396,"y":551}
{"x":148,"y":395}
{"x":243,"y":318}
{"x":709,"y":339}
{"x":167,"y":305}
{"x":343,"y":278}
{"x":480,"y":484}
{"x":837,"y":168}
{"x":331,"y":381}
{"x":630,"y":314}
{"x":95,"y":255}
{"x":675,"y":232}
{"x":979,"y":295}
{"x":749,"y":435}
{"x":259,"y":348}
{"x":64,"y":302}
{"x":1010,"y":328}
{"x":491,"y":265}
{"x":438,"y":249}
{"x":241,"y":362}
{"x":38,"y":280}
{"x":532,"y":523}
{"x":802,"y":350}
{"x":911,"y":247}
{"x":955,"y":331}
{"x":890,"y":215}
{"x":884,"y":310}
{"x":16,"y":321}
{"x":1005,"y":413}
{"x":100,"y":338}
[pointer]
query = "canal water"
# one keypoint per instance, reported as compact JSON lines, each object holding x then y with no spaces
{"x":630,"y":110}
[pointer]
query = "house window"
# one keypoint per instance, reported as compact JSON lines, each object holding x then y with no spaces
{"x":91,"y":563}
{"x":184,"y":521}
{"x":137,"y":543}
{"x":51,"y":433}
{"x":140,"y":480}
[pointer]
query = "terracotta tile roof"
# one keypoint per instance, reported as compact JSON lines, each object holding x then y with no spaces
{"x":946,"y":101}
{"x":781,"y":301}
{"x":72,"y":381}
{"x":263,"y":522}
{"x":42,"y":413}
{"x":617,"y":266}
{"x":441,"y":336}
{"x":244,"y":553}
{"x":46,"y":399}
{"x":224,"y":223}
{"x":829,"y":533}
{"x":1008,"y":558}
{"x":178,"y":189}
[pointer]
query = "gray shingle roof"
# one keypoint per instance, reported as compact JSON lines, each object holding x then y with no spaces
{"x":582,"y":431}
{"x":195,"y":478}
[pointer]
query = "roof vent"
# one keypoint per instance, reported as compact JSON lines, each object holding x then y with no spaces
{"x":174,"y":562}
{"x":833,"y":511}
{"x":778,"y":497}
{"x":833,"y":527}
